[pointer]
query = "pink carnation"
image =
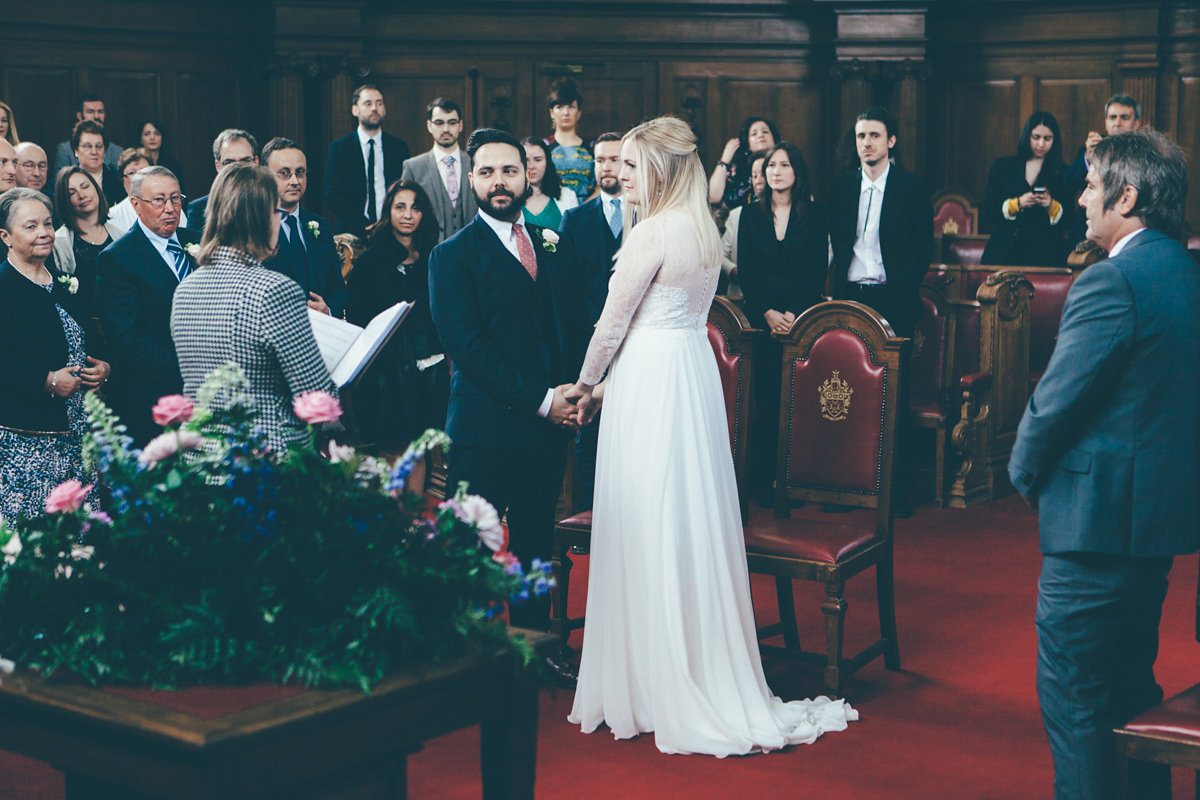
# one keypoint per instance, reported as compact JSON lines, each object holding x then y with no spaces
{"x":172,"y":410}
{"x":167,"y":444}
{"x":317,"y":407}
{"x":474,"y":510}
{"x":67,"y":496}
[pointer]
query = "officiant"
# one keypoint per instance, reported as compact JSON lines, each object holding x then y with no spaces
{"x":235,"y":309}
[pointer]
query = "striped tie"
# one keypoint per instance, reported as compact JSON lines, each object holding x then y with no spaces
{"x":182,"y":268}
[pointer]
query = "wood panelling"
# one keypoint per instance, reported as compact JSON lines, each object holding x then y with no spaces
{"x":616,"y":94}
{"x":981,"y":122}
{"x":1189,"y":140}
{"x":44,"y":102}
{"x":1077,"y":104}
{"x":129,"y":98}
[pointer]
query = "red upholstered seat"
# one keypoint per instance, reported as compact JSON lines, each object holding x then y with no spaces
{"x":728,"y":363}
{"x":1045,"y":314}
{"x":929,"y":409}
{"x":1178,"y":716}
{"x":813,"y":540}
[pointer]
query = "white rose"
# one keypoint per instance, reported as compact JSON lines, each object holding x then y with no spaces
{"x":73,"y":285}
{"x":193,"y":250}
{"x":340,"y":452}
{"x":550,"y":236}
{"x":12,"y":549}
{"x":482,"y":514}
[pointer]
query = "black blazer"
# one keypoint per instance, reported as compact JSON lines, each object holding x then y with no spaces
{"x":787,"y":275}
{"x":1029,"y":240}
{"x":506,"y":346}
{"x":32,"y":343}
{"x":905,"y":237}
{"x":346,"y":179}
{"x":197,"y":213}
{"x":587,"y":245}
{"x":134,"y":289}
{"x":323,"y":272}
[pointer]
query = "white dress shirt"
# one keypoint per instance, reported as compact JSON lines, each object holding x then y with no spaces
{"x":160,"y":244}
{"x":866,"y":265}
{"x":1124,"y":241}
{"x":285,"y":230}
{"x":380,"y":184}
{"x":504,"y":231}
{"x":439,"y":156}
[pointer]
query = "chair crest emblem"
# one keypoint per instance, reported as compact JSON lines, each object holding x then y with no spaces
{"x":950,"y":227}
{"x":835,"y":398}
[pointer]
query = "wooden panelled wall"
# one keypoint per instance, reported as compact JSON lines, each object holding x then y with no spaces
{"x":962,"y":76}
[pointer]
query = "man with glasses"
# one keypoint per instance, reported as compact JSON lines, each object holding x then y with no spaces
{"x":133,"y":160}
{"x":33,"y":167}
{"x":232,"y":146}
{"x":136,"y":277}
{"x":306,"y":253}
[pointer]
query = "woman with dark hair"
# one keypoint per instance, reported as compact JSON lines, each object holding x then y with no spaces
{"x":548,"y":198}
{"x":233,"y":309}
{"x":1020,"y":200}
{"x":151,"y":140}
{"x":783,"y":258}
{"x":572,"y":156}
{"x":407,"y":388}
{"x":44,"y":363}
{"x":729,"y":186}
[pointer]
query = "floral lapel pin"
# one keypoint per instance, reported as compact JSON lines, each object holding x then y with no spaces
{"x":314,"y":228}
{"x":193,"y":250}
{"x":549,"y":240}
{"x":70,"y":282}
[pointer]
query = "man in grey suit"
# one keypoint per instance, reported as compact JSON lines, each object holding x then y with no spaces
{"x":442,"y":172}
{"x":1108,"y":452}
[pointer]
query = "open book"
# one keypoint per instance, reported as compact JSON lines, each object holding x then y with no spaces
{"x":348,"y":349}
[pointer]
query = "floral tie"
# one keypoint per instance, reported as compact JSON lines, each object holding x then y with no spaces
{"x":451,"y":180}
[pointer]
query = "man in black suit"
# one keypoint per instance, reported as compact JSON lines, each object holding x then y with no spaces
{"x":232,"y":146}
{"x":362,"y":165}
{"x":306,"y":253}
{"x":507,"y":311}
{"x":1108,"y":452}
{"x":590,"y":236}
{"x":881,"y":228}
{"x":136,"y":278}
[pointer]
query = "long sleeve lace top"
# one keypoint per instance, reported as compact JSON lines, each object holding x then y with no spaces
{"x":658,"y":282}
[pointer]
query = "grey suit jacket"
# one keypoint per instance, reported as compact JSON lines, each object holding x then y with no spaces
{"x":425,"y":170}
{"x":1109,"y":447}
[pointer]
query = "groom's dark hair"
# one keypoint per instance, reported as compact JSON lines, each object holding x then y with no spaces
{"x":492,"y":136}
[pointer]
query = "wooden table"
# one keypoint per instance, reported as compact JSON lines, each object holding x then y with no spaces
{"x":267,"y":741}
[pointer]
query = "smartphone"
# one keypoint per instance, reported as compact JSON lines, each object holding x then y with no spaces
{"x":1039,"y":190}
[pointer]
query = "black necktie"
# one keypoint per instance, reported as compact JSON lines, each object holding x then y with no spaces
{"x":371,"y":180}
{"x":297,"y":244}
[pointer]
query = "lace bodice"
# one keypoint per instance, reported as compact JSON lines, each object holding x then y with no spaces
{"x":657,"y":283}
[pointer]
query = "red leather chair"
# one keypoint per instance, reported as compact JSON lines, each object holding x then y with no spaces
{"x":1169,"y":733}
{"x":732,"y":340}
{"x":842,"y":383}
{"x":954,"y":215}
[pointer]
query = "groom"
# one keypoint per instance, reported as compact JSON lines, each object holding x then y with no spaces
{"x":510,"y":318}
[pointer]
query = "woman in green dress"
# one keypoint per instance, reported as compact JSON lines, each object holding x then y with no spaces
{"x":548,"y":199}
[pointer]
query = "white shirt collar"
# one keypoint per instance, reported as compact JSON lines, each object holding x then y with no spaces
{"x":363,"y":138}
{"x":439,"y":155}
{"x":609,"y":199}
{"x":503,"y":229}
{"x":159,"y":242}
{"x":1124,"y":242}
{"x":880,"y":183}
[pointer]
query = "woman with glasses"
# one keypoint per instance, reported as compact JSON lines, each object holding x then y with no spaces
{"x":89,"y":141}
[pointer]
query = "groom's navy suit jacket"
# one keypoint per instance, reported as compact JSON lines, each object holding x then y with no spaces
{"x":508,"y":338}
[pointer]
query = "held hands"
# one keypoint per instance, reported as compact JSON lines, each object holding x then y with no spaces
{"x":588,"y":399}
{"x":562,"y":410}
{"x":317,"y":303}
{"x":779,"y":322}
{"x":94,"y":374}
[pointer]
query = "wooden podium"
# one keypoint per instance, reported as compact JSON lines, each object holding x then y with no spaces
{"x":275,"y":742}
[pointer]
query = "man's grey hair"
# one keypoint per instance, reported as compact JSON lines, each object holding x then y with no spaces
{"x":1155,"y":166}
{"x":135,"y":183}
{"x":1125,"y":100}
{"x":229,"y":134}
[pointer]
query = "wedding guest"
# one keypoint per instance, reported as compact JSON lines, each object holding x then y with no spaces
{"x":360,"y":167}
{"x":233,"y":309}
{"x":407,"y":389}
{"x":729,"y":186}
{"x":1021,"y":199}
{"x":729,"y":239}
{"x":8,"y":126}
{"x":33,"y":166}
{"x":8,"y":166}
{"x":44,"y":362}
{"x":548,"y":198}
{"x":91,"y":106}
{"x":783,"y":248}
{"x":89,"y":142}
{"x":442,"y":171}
{"x":232,"y":146}
{"x":572,"y":156}
{"x":151,"y":140}
{"x":85,"y":231}
{"x":133,"y":160}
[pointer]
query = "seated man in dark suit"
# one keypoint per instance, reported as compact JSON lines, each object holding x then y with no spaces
{"x":1108,"y":452}
{"x":1122,"y":114}
{"x":232,"y":146}
{"x":306,"y":253}
{"x":590,"y":236}
{"x":136,"y":278}
{"x":361,"y":166}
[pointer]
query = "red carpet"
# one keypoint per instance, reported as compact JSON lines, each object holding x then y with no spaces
{"x":961,"y":720}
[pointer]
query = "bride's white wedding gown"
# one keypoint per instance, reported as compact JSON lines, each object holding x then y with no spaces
{"x":670,"y":643}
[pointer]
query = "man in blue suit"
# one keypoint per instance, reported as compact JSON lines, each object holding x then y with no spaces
{"x":508,"y":313}
{"x":306,"y":253}
{"x":1108,"y":452}
{"x":591,"y":236}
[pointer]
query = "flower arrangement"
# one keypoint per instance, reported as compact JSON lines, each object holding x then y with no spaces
{"x":223,"y":563}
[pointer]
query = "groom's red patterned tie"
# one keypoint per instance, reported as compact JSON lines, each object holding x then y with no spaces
{"x":525,"y":250}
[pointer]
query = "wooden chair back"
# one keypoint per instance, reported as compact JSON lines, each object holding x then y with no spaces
{"x":349,"y":247}
{"x":954,"y":214}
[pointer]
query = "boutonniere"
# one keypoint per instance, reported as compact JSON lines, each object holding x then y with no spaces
{"x":70,"y":282}
{"x":549,"y":240}
{"x":193,"y":250}
{"x":314,"y":228}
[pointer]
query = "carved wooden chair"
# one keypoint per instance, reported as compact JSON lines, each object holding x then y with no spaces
{"x":954,"y":214}
{"x":349,"y":247}
{"x":842,"y":385}
{"x":732,"y":340}
{"x":1169,"y":733}
{"x":931,"y":367}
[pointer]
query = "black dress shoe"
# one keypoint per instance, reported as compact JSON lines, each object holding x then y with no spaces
{"x":561,"y":672}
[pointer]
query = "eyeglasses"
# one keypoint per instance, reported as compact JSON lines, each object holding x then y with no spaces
{"x":225,"y":162}
{"x":286,"y":174}
{"x":91,"y":146}
{"x":161,"y":200}
{"x":32,"y":165}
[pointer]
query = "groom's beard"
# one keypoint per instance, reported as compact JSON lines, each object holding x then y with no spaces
{"x":508,"y":209}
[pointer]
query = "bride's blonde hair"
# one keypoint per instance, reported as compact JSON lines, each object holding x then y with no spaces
{"x":670,"y":178}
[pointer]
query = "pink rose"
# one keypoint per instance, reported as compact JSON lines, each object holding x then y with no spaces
{"x":167,"y":444}
{"x":317,"y":407}
{"x":67,"y":496}
{"x":172,"y":409}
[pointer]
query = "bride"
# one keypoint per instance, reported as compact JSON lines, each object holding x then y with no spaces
{"x":670,"y":643}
